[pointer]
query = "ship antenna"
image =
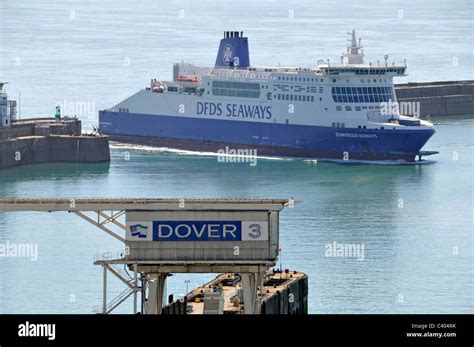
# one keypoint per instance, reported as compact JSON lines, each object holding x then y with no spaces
{"x":354,"y":53}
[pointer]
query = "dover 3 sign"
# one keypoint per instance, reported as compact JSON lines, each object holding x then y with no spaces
{"x":197,"y":230}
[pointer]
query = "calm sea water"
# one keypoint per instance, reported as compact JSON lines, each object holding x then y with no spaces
{"x":415,"y":221}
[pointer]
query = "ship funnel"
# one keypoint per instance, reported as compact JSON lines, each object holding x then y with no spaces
{"x":233,"y":51}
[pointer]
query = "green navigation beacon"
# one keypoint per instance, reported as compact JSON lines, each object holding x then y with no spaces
{"x":58,"y":112}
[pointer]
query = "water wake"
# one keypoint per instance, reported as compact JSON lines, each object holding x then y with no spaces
{"x":152,"y":149}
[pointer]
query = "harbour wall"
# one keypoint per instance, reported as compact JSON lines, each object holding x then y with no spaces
{"x":44,"y":141}
{"x":439,"y":99}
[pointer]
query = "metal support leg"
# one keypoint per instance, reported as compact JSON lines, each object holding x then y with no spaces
{"x":144,"y":284}
{"x":249,"y":287}
{"x":104,"y":293}
{"x":155,"y":294}
{"x":135,"y":288}
{"x":261,"y":280}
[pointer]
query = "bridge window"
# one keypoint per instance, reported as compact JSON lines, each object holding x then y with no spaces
{"x":361,"y":94}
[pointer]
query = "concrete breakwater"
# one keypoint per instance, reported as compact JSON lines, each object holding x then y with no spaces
{"x":448,"y":98}
{"x":36,"y":141}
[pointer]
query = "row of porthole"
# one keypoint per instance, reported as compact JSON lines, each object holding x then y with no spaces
{"x":305,"y":79}
{"x":251,"y":76}
{"x":364,"y":127}
{"x":300,"y":79}
{"x":363,"y":81}
{"x":291,"y":97}
{"x":280,"y":78}
{"x":357,"y":108}
{"x":263,"y":86}
{"x":338,"y":125}
{"x":308,"y":79}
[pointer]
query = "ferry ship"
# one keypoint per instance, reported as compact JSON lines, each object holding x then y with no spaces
{"x":345,"y":111}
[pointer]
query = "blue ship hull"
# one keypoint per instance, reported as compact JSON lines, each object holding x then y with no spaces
{"x":285,"y":140}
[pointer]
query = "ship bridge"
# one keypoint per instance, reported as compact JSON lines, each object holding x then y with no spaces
{"x":363,"y":70}
{"x":352,"y":63}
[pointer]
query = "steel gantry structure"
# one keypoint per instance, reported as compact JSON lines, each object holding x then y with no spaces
{"x":107,"y":215}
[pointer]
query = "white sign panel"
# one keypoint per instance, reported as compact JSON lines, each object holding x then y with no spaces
{"x":255,"y":231}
